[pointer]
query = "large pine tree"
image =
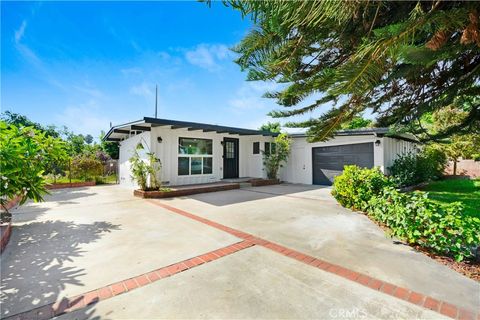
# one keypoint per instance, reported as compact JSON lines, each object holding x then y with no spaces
{"x":399,"y":59}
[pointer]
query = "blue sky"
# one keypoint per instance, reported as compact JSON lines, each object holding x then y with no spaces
{"x":85,"y":65}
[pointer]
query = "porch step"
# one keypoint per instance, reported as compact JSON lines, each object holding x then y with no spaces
{"x":245,"y":185}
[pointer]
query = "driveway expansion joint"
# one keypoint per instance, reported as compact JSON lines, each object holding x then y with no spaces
{"x":410,"y":296}
{"x":69,"y":304}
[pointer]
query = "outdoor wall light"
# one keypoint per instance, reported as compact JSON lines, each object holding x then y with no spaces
{"x":159,"y":139}
{"x":377,"y":143}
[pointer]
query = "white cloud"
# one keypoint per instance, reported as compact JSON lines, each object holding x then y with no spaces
{"x":24,"y":50}
{"x":208,"y":56}
{"x":145,"y":90}
{"x":20,"y":32}
{"x":249,"y":96}
{"x":93,"y":92}
{"x":131,"y":71}
{"x":84,"y":118}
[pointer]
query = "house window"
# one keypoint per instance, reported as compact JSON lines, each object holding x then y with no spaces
{"x":256,"y":147}
{"x":270,"y":147}
{"x":194,"y":156}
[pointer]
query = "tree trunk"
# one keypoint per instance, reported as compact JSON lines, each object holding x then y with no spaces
{"x":454,"y":167}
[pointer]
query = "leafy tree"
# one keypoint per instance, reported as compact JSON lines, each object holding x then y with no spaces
{"x":111,"y":148}
{"x":25,"y":153}
{"x":88,"y":139}
{"x":401,"y":59}
{"x":19,"y":120}
{"x":457,"y":145}
{"x":357,"y":122}
{"x":75,"y":143}
{"x":274,"y":160}
{"x":271,"y":127}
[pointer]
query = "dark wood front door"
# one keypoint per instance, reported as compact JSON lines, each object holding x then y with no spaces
{"x":230,"y":158}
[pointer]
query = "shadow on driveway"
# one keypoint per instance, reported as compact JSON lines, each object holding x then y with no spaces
{"x":32,"y":267}
{"x":226,"y":198}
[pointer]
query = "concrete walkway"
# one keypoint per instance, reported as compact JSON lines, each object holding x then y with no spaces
{"x":88,"y":238}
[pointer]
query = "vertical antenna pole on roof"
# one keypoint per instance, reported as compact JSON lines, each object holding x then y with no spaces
{"x":156,"y":100}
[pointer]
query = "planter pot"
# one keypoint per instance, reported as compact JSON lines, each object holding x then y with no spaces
{"x":264,"y":182}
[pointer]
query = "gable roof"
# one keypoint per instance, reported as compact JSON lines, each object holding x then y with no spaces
{"x":119,"y":132}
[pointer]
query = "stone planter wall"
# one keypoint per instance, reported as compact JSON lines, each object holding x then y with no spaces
{"x":71,"y":185}
{"x":184,"y":191}
{"x":264,"y":182}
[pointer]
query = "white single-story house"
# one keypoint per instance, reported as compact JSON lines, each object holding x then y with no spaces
{"x":193,"y":153}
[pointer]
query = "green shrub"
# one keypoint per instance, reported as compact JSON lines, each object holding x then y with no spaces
{"x":410,"y":169}
{"x":419,"y":220}
{"x":355,"y":187}
{"x":86,"y":167}
{"x":146,"y":173}
{"x":442,"y":228}
{"x":25,"y":154}
{"x":274,"y":159}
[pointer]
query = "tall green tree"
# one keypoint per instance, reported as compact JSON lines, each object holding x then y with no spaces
{"x":457,"y":145}
{"x":401,"y":59}
{"x":111,"y":148}
{"x":19,"y":120}
{"x":271,"y":127}
{"x":357,"y":122}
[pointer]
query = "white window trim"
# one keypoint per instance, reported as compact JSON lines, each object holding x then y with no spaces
{"x":190,"y":156}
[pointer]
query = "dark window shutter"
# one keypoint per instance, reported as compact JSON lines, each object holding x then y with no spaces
{"x":256,"y":147}
{"x":267,"y":148}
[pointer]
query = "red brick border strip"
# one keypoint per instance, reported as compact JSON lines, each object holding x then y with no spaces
{"x":5,"y":236}
{"x":67,"y":305}
{"x":405,"y":294}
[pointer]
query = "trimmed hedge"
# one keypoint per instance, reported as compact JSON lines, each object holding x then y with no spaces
{"x":412,"y":217}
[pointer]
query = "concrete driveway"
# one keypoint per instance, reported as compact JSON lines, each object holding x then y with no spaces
{"x":150,"y":259}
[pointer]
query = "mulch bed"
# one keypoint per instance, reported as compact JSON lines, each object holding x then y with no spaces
{"x":468,"y":268}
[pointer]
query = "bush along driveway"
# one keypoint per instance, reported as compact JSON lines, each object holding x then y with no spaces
{"x":440,"y":228}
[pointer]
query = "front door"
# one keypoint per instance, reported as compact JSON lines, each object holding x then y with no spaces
{"x":230,"y":158}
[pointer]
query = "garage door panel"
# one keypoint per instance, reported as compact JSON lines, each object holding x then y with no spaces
{"x":328,"y":162}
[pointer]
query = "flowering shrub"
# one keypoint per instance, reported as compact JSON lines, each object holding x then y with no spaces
{"x":24,"y":155}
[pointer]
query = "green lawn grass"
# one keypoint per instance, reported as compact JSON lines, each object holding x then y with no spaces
{"x":61,"y":180}
{"x":465,"y":191}
{"x":111,"y":179}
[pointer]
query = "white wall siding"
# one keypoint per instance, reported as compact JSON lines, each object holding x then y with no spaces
{"x":393,"y":148}
{"x":127,"y":148}
{"x":299,"y":168}
{"x":250,"y":165}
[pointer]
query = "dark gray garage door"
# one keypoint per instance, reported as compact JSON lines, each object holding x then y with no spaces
{"x":328,"y":162}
